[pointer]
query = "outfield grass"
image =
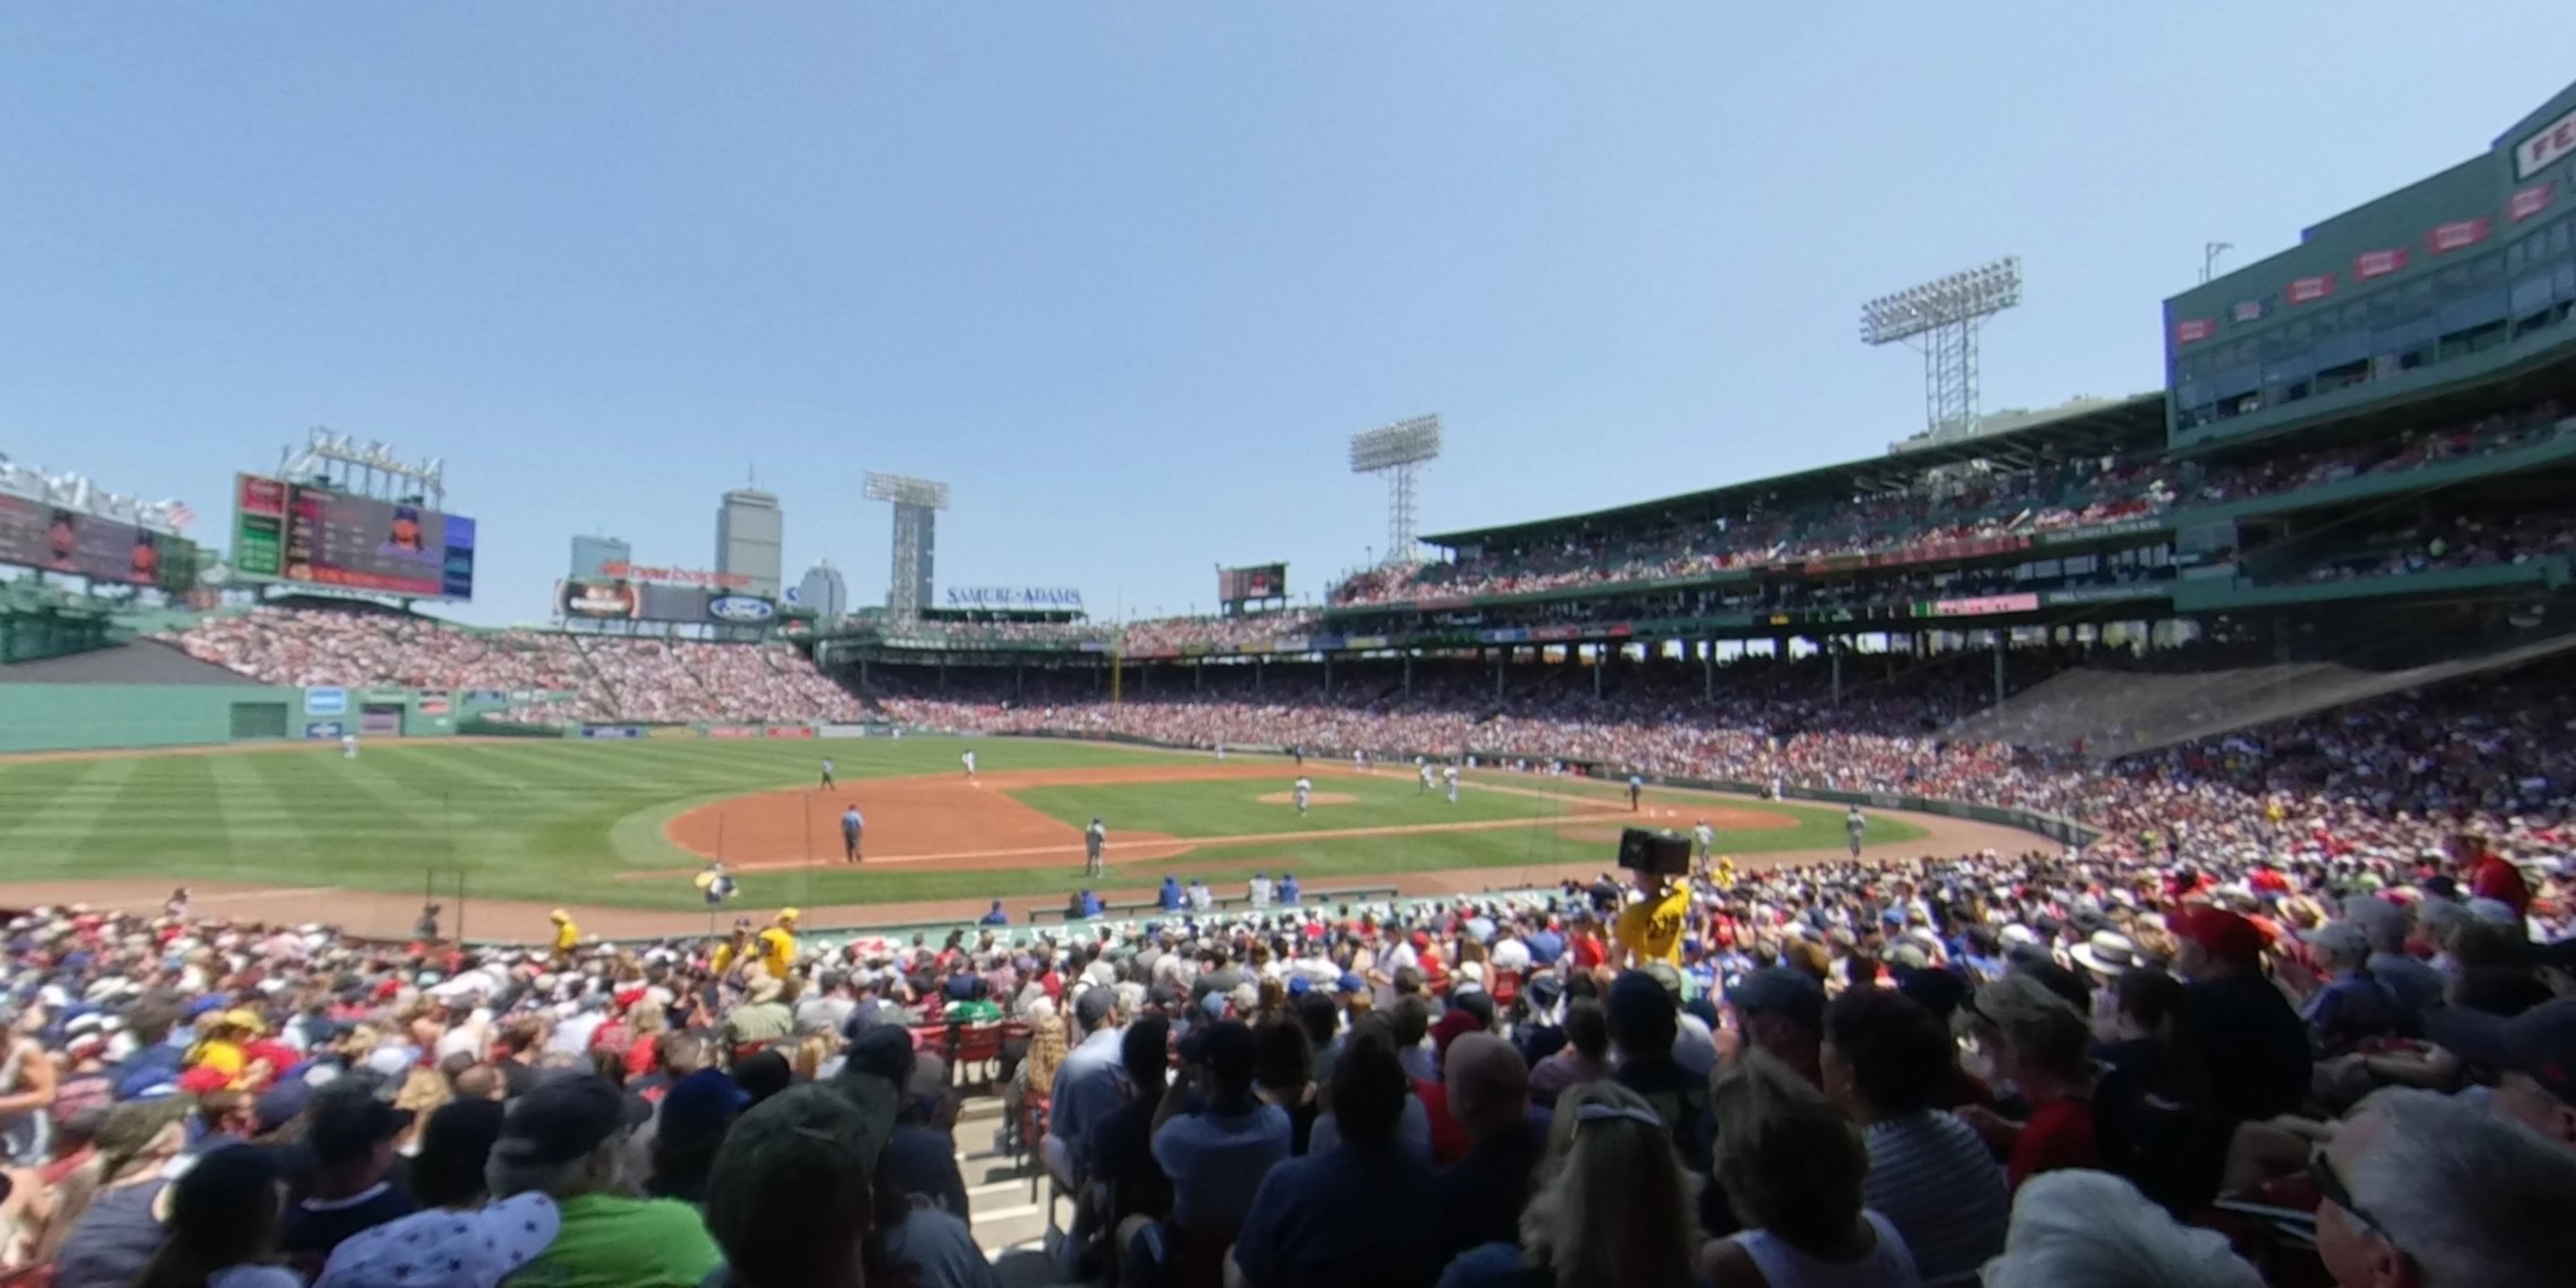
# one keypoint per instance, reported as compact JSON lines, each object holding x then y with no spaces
{"x":560,"y":820}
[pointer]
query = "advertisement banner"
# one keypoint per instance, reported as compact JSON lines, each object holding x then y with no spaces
{"x":841,"y":731}
{"x":2458,"y":234}
{"x":326,"y":702}
{"x":389,"y":695}
{"x":1364,"y":643}
{"x":324,"y":729}
{"x":1552,"y":634}
{"x":741,"y":608}
{"x":2545,"y":145}
{"x":611,"y":731}
{"x":487,"y":696}
{"x":666,"y":733}
{"x":625,"y":571}
{"x":733,"y":731}
{"x":2308,"y":290}
{"x":599,"y":601}
{"x":1984,"y":605}
{"x":788,"y":731}
{"x":1505,"y":635}
{"x":433,"y":704}
{"x":2103,"y":531}
{"x":2531,"y":201}
{"x":2194,"y":330}
{"x":2248,"y":311}
{"x":2377,"y":263}
{"x":2102,"y":594}
{"x":1023,"y":598}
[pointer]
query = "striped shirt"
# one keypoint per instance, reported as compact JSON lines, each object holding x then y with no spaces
{"x":1931,"y":1176}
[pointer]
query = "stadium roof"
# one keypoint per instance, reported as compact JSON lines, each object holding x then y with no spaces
{"x":2089,"y":430}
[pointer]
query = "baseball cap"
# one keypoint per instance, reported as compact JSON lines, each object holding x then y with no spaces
{"x":2540,"y":1042}
{"x":1093,"y":1007}
{"x":347,"y":1120}
{"x":2343,"y":938}
{"x":566,"y":1119}
{"x":444,"y":1249}
{"x":2223,"y":934}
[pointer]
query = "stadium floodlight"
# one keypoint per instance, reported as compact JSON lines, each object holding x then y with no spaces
{"x":1395,"y":451}
{"x":1947,"y":310}
{"x":915,"y":537}
{"x":369,"y":468}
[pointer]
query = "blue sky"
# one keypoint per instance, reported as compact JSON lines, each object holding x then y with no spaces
{"x":1127,"y":274}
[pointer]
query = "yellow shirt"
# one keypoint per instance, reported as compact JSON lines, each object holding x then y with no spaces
{"x":1652,"y":930}
{"x":567,"y":935}
{"x":223,"y":1056}
{"x":722,"y":959}
{"x":777,"y":950}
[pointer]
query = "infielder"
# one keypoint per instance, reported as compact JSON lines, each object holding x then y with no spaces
{"x":1704,"y":838}
{"x":969,"y":760}
{"x":827,"y":771}
{"x":853,"y":825}
{"x":1427,"y":773}
{"x":1854,"y":825}
{"x":1305,"y":788}
{"x":1093,"y":837}
{"x":1359,"y":761}
{"x":1450,"y":772}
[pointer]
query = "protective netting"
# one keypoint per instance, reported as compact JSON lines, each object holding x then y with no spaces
{"x":2106,"y":713}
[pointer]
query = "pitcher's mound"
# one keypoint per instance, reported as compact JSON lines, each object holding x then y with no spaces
{"x":1312,"y":798}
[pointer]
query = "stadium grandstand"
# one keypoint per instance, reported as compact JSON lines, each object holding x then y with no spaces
{"x":2287,"y":647}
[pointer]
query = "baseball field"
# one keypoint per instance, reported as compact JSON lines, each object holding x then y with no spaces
{"x":296,"y":832}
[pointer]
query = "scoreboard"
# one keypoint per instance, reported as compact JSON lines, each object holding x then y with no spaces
{"x":315,"y":536}
{"x":1259,"y":581}
{"x":54,"y":538}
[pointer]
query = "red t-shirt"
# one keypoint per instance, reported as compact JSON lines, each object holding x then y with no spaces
{"x":2493,"y":878}
{"x":1588,"y":952}
{"x":2059,"y":1135}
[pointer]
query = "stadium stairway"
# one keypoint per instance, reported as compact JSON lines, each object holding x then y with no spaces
{"x":1007,"y":1196}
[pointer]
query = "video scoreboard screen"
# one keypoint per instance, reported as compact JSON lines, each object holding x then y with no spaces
{"x":34,"y":534}
{"x":1260,"y":581}
{"x":316,"y":536}
{"x":619,"y":600}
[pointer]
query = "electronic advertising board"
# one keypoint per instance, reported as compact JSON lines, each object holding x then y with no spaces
{"x":294,"y":532}
{"x":54,"y":538}
{"x":1260,"y":581}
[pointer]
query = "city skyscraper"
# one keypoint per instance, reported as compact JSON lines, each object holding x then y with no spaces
{"x":592,"y":555}
{"x":748,"y":537}
{"x":822,"y":591}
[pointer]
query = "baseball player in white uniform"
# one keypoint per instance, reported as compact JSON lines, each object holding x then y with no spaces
{"x":1450,"y":773}
{"x":1705,"y":838}
{"x":1359,"y":761}
{"x":348,"y":746}
{"x":969,"y":761}
{"x":1428,"y":773}
{"x":1305,"y":789}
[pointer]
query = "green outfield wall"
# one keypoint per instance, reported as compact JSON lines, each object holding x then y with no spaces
{"x":94,"y":717}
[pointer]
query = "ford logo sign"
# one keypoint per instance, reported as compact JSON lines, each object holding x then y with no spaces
{"x":740,"y":608}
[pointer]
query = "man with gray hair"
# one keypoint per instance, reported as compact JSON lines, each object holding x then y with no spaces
{"x":2424,"y":1191}
{"x":2084,"y":1227}
{"x":2417,"y":987}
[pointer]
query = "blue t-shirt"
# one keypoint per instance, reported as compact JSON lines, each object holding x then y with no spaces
{"x":1545,"y":947}
{"x":1217,"y":1162}
{"x":1352,"y":1216}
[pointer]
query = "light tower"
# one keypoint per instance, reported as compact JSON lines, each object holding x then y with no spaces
{"x":1394,"y":451}
{"x":915,"y":501}
{"x":1948,"y":310}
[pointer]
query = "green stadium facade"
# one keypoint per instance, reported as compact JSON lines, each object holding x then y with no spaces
{"x":2407,"y":369}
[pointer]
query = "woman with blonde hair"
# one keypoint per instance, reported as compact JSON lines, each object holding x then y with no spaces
{"x":1611,"y":1205}
{"x":1792,"y":1166}
{"x":2043,"y":1046}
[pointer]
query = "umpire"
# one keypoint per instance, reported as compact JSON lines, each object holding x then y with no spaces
{"x":1093,"y":837}
{"x":852,"y":824}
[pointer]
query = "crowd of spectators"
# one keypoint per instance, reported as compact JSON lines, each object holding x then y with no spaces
{"x":2297,"y":1063}
{"x":595,"y":677}
{"x":1945,"y":508}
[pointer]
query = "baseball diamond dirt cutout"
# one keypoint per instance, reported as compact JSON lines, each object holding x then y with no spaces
{"x":969,"y":825}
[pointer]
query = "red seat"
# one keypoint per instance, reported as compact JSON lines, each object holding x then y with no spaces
{"x":977,"y":1044}
{"x":1506,"y":988}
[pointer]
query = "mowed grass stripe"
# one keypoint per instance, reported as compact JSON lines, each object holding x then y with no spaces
{"x":48,"y":823}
